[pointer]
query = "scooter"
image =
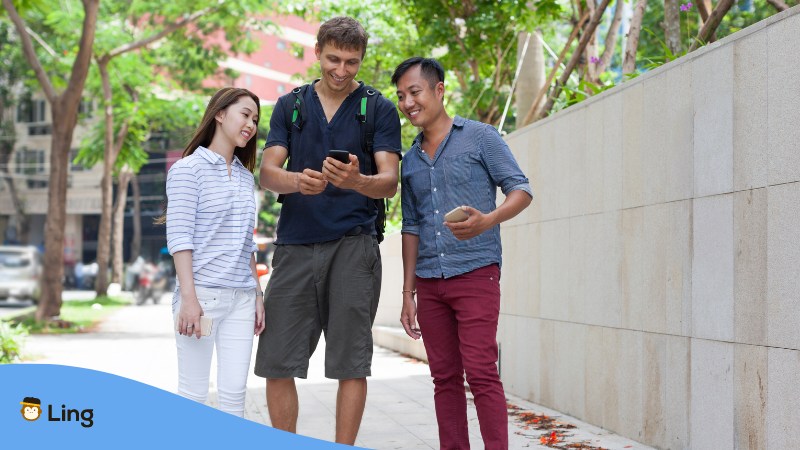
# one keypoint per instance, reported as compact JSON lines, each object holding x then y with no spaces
{"x":153,"y":283}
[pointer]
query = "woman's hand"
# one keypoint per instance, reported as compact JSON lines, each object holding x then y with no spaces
{"x":189,"y":316}
{"x":260,"y":324}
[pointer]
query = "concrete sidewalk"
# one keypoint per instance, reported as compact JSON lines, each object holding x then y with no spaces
{"x":138,"y":343}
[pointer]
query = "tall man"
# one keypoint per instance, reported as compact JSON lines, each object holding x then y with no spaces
{"x":454,"y":267}
{"x":326,"y":268}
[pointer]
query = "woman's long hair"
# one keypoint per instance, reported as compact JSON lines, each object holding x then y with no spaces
{"x":224,"y":98}
{"x":220,"y":101}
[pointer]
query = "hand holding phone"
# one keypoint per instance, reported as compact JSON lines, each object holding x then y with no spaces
{"x":456,"y":215}
{"x":205,"y":326}
{"x":343,"y":156}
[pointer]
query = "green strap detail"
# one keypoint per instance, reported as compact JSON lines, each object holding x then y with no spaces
{"x":296,"y":110}
{"x":364,"y":108}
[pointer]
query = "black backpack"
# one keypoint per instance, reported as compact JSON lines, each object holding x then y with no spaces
{"x":296,"y":117}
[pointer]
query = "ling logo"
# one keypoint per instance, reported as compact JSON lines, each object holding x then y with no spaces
{"x":31,"y":408}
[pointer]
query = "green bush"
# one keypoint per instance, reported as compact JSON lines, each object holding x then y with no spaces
{"x":11,"y":337}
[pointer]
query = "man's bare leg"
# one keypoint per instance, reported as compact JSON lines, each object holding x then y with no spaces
{"x":350,"y":401}
{"x":282,"y":403}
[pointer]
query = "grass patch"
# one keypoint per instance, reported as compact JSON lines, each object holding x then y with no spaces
{"x":76,"y":316}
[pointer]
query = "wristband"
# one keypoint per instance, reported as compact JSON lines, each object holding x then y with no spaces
{"x":412,"y":292}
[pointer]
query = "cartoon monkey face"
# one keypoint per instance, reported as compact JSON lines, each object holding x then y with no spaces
{"x":31,"y":412}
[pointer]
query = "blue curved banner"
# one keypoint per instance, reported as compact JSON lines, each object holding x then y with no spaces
{"x":52,"y":406}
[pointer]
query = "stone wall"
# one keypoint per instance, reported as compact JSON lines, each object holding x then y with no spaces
{"x":653,"y":287}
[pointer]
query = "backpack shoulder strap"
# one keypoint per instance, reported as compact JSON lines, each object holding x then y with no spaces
{"x":294,"y":117}
{"x":366,"y":119}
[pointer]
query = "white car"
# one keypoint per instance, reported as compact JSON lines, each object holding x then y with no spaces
{"x":20,"y":271}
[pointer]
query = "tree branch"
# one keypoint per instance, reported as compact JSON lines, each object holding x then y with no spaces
{"x":778,"y":4}
{"x":714,"y":19}
{"x":576,"y":56}
{"x":704,"y":7}
{"x":471,"y":62}
{"x":629,"y":62}
{"x":167,"y":30}
{"x":30,"y":53}
{"x":611,"y":38}
{"x":80,"y":68}
{"x":123,"y":129}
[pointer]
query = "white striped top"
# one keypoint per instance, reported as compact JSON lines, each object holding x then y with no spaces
{"x":213,"y":215}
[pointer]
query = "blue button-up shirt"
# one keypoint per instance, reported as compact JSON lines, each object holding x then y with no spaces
{"x":469,"y":165}
{"x":212,"y":214}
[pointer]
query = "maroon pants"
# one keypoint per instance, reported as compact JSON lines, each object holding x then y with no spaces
{"x":458,"y":319}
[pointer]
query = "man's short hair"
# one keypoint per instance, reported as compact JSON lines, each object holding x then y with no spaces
{"x":344,"y":33}
{"x":429,"y":67}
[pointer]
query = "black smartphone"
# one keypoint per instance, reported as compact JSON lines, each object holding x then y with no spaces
{"x":340,"y":155}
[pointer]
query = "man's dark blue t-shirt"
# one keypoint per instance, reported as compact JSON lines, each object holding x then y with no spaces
{"x":307,"y":219}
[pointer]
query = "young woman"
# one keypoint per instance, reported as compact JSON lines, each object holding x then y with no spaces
{"x":210,"y":217}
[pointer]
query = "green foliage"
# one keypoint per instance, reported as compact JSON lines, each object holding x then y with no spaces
{"x":11,"y":339}
{"x":77,"y":316}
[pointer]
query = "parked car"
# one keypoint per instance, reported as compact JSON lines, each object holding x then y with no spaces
{"x":20,"y":270}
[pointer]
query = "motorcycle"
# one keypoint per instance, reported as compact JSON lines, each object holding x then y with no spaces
{"x":152,"y":284}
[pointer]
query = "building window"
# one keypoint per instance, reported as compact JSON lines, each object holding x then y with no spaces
{"x":281,"y":45}
{"x":281,"y":89}
{"x":39,"y":130}
{"x":30,"y":164}
{"x":29,"y":111}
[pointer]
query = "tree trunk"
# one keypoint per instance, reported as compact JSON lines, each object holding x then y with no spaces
{"x":704,"y":7}
{"x":531,"y":76}
{"x":136,"y":242}
{"x":714,"y":19}
{"x":591,"y":73}
{"x":611,"y":38}
{"x":104,"y":230}
{"x":533,"y":112}
{"x":672,"y":26}
{"x":64,"y":109}
{"x":573,"y":61}
{"x":53,"y":273}
{"x":632,"y":45}
{"x":119,"y":224}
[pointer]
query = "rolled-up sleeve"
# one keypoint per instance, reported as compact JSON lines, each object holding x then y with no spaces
{"x":182,"y":198}
{"x":410,"y":220}
{"x":501,"y":164}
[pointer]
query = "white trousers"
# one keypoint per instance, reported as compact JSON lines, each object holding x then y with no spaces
{"x":233,"y":316}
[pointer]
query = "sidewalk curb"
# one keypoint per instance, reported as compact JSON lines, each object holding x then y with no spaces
{"x":28,"y":310}
{"x":395,"y":338}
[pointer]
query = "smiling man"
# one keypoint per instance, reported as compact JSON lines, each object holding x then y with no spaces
{"x":326,"y":268}
{"x":451,"y":262}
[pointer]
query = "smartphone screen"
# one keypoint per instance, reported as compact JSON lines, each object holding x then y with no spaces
{"x":340,"y":155}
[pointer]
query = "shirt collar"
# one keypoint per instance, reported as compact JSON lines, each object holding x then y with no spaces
{"x":458,"y":121}
{"x":215,"y":158}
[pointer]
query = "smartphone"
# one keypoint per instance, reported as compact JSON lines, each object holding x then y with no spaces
{"x":205,"y":325}
{"x":456,"y":215}
{"x":340,"y":155}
